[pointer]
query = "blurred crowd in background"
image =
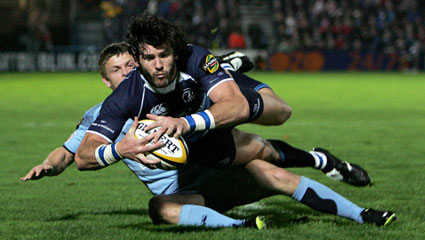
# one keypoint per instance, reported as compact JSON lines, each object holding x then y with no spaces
{"x":390,"y":26}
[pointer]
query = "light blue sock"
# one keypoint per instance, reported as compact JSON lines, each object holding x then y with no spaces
{"x":195,"y":215}
{"x":324,"y":199}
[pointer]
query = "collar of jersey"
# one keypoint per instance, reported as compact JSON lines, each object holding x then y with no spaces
{"x":163,"y":90}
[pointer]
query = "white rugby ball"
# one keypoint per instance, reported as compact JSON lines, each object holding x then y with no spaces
{"x":173,"y":155}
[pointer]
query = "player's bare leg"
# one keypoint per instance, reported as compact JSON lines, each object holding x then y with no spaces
{"x":314,"y":194}
{"x":251,"y":146}
{"x":166,"y":208}
{"x":276,"y":110}
{"x":189,"y":209}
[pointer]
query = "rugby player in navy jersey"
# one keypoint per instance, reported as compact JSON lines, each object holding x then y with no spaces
{"x":174,"y":82}
{"x":213,"y":188}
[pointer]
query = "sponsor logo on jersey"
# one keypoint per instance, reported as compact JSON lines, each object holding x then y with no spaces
{"x":159,"y":110}
{"x":211,"y":64}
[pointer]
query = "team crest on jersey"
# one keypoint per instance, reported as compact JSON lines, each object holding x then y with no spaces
{"x":188,"y":95}
{"x":211,"y":64}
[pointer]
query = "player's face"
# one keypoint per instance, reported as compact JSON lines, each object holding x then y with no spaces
{"x":158,"y":65}
{"x":117,"y":67}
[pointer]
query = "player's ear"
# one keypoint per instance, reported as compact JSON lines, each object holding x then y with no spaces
{"x":106,"y":82}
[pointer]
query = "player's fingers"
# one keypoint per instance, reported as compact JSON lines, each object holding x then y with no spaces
{"x":158,"y":134}
{"x":153,"y":147}
{"x":37,"y":171}
{"x":134,"y":125}
{"x":171,"y":131}
{"x":154,"y":117}
{"x":146,"y":161}
{"x":146,"y":139}
{"x":178,"y":133}
{"x":28,"y":176}
{"x":152,"y":126}
{"x":151,"y":166}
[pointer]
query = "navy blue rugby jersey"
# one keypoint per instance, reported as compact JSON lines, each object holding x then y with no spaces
{"x":196,"y":78}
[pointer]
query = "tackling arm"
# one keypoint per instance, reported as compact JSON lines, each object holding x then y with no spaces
{"x":53,"y":165}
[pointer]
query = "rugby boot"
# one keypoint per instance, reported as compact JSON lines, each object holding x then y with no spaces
{"x":344,"y":171}
{"x":258,"y":223}
{"x":379,"y":218}
{"x":239,"y":61}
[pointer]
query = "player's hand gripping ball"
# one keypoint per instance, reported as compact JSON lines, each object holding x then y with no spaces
{"x":172,"y":155}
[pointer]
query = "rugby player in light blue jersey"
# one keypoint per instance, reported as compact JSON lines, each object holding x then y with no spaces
{"x":192,"y":188}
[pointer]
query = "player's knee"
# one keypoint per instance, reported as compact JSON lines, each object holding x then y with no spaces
{"x":268,"y":152}
{"x":282,"y":114}
{"x":277,"y":111}
{"x":285,"y":114}
{"x":161,"y":211}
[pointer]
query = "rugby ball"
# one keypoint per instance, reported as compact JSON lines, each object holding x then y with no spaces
{"x":173,"y":155}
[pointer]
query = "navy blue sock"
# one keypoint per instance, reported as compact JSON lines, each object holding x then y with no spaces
{"x":195,"y":215}
{"x":292,"y":157}
{"x":324,"y":199}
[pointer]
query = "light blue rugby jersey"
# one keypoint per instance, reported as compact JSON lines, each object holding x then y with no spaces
{"x":158,"y":181}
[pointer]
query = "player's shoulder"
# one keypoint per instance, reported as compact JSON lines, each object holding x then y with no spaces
{"x":132,"y":78}
{"x":89,"y":116}
{"x":130,"y":86}
{"x":93,"y":111}
{"x":196,"y":53}
{"x":199,"y":60}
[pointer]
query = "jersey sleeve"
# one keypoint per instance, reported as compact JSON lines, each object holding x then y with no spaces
{"x":121,"y":105}
{"x":204,"y":67}
{"x":77,"y":136}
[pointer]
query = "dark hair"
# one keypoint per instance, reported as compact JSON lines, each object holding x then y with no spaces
{"x":110,"y":51}
{"x":153,"y":30}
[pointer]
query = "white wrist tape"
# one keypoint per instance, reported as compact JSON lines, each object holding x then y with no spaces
{"x":200,"y":121}
{"x":107,"y":154}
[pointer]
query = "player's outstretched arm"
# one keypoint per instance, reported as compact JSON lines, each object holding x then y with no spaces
{"x":53,"y":165}
{"x":95,"y":152}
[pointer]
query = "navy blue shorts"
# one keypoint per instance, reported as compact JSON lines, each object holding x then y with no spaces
{"x":244,"y":81}
{"x":216,"y":149}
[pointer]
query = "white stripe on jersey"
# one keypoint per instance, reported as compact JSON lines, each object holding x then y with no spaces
{"x":128,"y":74}
{"x":222,"y":81}
{"x":142,"y":102}
{"x":101,"y":135}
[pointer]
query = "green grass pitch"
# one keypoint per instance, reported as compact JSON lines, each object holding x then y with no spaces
{"x":374,"y":119}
